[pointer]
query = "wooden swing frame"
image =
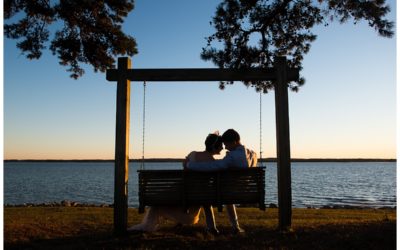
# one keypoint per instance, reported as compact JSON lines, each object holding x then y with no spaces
{"x":280,"y":74}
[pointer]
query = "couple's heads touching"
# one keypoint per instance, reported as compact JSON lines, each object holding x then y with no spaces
{"x":238,"y":156}
{"x":214,"y":142}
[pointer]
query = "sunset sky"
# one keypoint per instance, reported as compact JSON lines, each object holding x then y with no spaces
{"x":347,"y":108}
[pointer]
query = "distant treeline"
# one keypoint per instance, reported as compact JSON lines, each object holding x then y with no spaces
{"x":180,"y":160}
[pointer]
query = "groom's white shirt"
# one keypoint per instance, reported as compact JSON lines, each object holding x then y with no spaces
{"x":240,"y":157}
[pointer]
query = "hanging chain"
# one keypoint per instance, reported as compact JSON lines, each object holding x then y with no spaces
{"x":261,"y":129}
{"x":144,"y":123}
{"x":262,"y":59}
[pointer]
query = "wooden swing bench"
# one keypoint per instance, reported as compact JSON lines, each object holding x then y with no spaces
{"x":190,"y":188}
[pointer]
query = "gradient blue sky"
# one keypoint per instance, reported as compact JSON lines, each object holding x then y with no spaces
{"x":347,"y":109}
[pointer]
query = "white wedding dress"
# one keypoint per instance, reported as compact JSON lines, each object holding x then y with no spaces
{"x":154,"y":214}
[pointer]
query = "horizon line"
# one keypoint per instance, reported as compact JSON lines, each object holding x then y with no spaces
{"x":269,"y":159}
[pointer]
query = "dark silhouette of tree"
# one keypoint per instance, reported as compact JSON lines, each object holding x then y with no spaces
{"x":249,"y":33}
{"x":86,"y":31}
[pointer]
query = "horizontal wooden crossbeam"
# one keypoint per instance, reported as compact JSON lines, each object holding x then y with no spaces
{"x":200,"y":74}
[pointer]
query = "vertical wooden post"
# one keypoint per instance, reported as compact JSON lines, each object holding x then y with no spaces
{"x":122,"y":148}
{"x":283,"y":145}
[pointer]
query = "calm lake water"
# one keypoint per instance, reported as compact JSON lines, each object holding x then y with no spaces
{"x":316,"y":184}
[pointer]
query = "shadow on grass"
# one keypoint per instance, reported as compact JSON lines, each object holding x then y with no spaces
{"x":374,"y":235}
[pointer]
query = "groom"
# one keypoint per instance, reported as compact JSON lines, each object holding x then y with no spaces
{"x":237,"y":157}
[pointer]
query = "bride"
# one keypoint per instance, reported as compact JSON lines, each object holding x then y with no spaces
{"x":154,"y":214}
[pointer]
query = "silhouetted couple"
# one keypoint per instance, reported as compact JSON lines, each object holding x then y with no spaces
{"x":237,"y":157}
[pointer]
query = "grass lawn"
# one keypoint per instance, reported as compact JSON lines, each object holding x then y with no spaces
{"x":91,"y":228}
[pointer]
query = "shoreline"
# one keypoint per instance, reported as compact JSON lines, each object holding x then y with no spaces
{"x":67,"y":203}
{"x":181,"y":159}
